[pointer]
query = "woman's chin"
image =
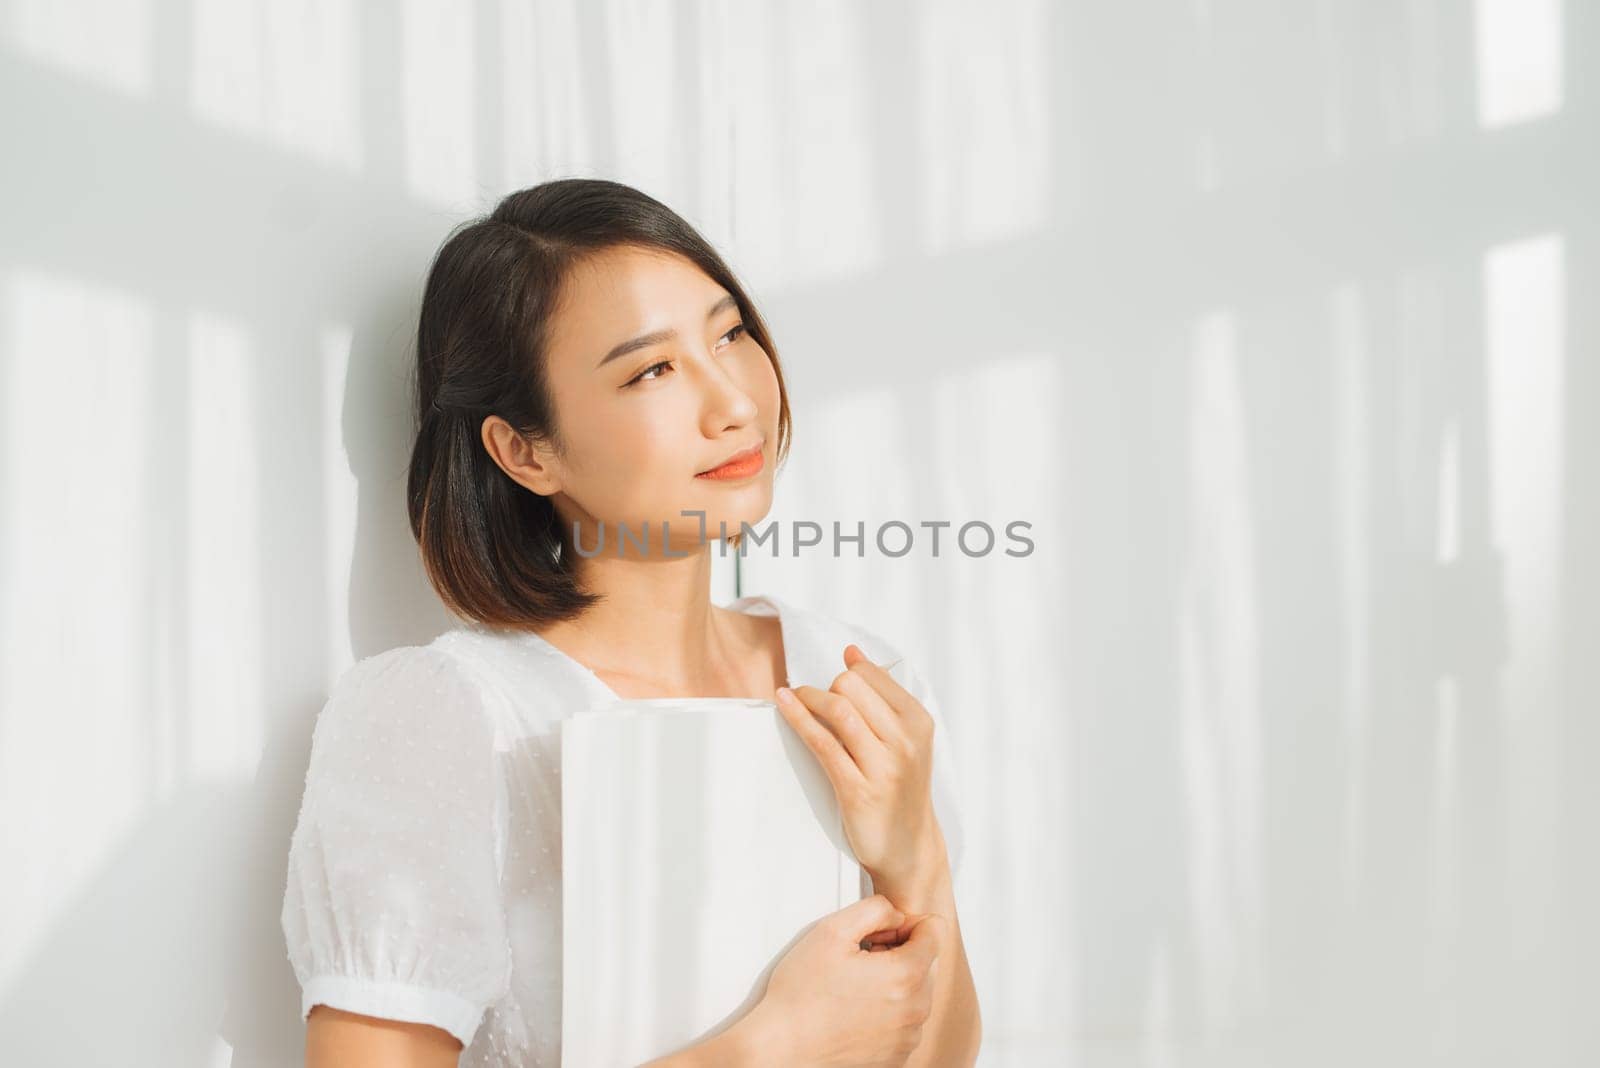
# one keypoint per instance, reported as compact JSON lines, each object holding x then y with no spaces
{"x":723,"y":518}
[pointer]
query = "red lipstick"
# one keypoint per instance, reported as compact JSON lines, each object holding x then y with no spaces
{"x":741,"y":465}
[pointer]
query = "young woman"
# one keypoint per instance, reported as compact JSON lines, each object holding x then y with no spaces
{"x":586,"y":362}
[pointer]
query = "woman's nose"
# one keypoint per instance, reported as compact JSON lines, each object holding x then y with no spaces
{"x":724,"y":398}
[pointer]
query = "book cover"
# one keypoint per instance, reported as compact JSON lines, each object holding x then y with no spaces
{"x":700,"y":839}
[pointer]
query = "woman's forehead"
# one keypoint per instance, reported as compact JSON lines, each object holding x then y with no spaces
{"x":628,"y":278}
{"x":619,"y":293}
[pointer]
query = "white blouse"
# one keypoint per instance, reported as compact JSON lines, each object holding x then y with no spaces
{"x":425,"y":867}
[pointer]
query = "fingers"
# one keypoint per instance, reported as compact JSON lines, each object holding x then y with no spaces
{"x":867,"y":721}
{"x":881,"y":940}
{"x":870,"y":915}
{"x":835,"y":759}
{"x":878,"y":677}
{"x":879,"y":716}
{"x":845,"y":722}
{"x":927,"y":935}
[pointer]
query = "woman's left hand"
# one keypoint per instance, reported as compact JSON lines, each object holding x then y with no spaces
{"x":875,"y":743}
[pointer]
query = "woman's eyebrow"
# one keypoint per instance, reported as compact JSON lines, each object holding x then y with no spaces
{"x":644,"y":341}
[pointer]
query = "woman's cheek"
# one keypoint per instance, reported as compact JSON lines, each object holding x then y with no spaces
{"x":763,"y":387}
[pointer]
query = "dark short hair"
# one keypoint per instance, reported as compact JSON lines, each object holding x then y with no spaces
{"x":493,"y":549}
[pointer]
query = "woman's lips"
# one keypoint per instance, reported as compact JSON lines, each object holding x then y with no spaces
{"x":737,"y":468}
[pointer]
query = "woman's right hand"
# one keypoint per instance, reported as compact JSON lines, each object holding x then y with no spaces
{"x":830,"y":1002}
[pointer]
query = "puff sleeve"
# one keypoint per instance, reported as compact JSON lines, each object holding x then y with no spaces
{"x":392,"y":906}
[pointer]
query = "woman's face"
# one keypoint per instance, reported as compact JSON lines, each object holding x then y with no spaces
{"x":640,"y":423}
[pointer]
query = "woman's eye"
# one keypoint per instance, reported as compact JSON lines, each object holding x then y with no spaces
{"x":641,"y":376}
{"x":646,"y":376}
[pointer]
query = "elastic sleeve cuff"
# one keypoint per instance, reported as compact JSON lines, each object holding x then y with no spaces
{"x":394,"y":1001}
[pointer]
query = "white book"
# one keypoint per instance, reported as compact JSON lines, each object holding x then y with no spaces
{"x":700,"y":838}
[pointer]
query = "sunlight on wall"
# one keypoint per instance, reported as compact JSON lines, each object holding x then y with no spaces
{"x":711,"y":177}
{"x":288,"y":73}
{"x":340,"y":496}
{"x":1157,"y":1026}
{"x":983,"y":131}
{"x":1331,"y":77}
{"x":284,"y":72}
{"x":1519,"y":45}
{"x":1525,"y":308}
{"x":1404,"y":68}
{"x":988,"y":427}
{"x":1441,"y":939}
{"x":1416,"y":99}
{"x":1445,"y":872}
{"x":75,"y":766}
{"x":1352,"y":427}
{"x":804,"y":190}
{"x":225,"y":565}
{"x":852,"y":465}
{"x":1524,"y":316}
{"x":544,"y":125}
{"x":1423,"y":337}
{"x":1220,"y":716}
{"x":645,"y":54}
{"x":441,"y":106}
{"x":104,"y":41}
{"x":1447,"y":547}
{"x":1207,"y":153}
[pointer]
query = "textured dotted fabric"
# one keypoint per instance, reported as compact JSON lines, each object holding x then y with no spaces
{"x":425,"y":867}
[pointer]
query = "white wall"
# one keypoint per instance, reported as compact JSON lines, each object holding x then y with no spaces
{"x":1268,"y":316}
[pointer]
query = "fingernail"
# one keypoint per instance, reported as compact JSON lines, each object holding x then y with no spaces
{"x":785,"y":694}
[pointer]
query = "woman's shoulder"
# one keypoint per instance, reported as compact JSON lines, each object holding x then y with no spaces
{"x":404,"y":707}
{"x":432,"y":679}
{"x":535,"y":684}
{"x":375,"y":680}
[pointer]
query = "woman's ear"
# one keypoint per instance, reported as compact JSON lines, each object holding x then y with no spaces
{"x":526,"y":461}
